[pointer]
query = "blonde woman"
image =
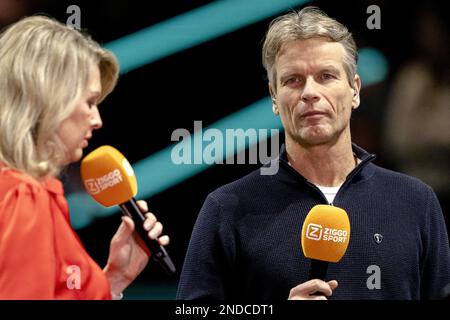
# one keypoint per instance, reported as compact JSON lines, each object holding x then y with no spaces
{"x":52,"y":79}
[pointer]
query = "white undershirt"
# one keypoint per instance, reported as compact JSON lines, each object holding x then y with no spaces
{"x":329,"y":192}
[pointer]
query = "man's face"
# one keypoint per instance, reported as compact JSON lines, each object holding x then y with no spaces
{"x":313,"y":95}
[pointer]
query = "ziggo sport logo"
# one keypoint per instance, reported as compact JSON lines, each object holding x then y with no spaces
{"x":95,"y":186}
{"x":317,"y":232}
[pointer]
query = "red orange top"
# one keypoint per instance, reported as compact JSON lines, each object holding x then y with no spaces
{"x":41,"y":256}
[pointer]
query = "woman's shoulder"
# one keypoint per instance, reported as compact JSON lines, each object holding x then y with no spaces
{"x":19,"y":183}
{"x":11,"y":178}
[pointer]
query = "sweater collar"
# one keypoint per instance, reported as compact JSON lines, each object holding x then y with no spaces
{"x":362,"y":171}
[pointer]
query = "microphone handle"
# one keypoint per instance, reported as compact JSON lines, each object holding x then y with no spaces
{"x":318,"y":269}
{"x":159,"y":254}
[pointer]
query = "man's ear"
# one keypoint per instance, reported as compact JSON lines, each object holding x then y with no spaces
{"x":356,"y":91}
{"x":274,"y":100}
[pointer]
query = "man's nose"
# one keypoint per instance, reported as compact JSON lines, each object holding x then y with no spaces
{"x":310,"y":92}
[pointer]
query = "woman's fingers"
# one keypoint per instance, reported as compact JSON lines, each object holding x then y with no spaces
{"x":164,"y":240}
{"x":151,"y":224}
{"x":150,"y":221}
{"x":142,"y":205}
{"x":156,"y":231}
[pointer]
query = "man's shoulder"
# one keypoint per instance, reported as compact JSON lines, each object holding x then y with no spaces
{"x":400,"y":180}
{"x":247,"y":185}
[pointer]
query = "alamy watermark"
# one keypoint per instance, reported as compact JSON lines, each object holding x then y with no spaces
{"x":74,"y":20}
{"x":374,"y":20}
{"x":73,"y":281}
{"x":374,"y":280}
{"x":212,"y":146}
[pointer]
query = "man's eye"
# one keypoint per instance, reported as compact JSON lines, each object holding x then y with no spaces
{"x":293,"y":80}
{"x":328,"y":76}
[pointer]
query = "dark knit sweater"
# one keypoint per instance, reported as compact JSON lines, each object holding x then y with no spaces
{"x":246,"y":240}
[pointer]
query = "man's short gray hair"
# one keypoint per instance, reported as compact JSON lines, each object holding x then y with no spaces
{"x":310,"y":22}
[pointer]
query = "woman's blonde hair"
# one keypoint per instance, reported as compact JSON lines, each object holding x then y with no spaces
{"x":44,"y":67}
{"x":310,"y":22}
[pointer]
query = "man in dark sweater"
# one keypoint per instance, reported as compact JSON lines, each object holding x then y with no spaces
{"x":246,"y":241}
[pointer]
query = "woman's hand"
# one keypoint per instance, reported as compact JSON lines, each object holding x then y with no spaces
{"x":128,"y":255}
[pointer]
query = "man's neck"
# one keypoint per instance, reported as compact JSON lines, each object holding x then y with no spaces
{"x":325,"y":165}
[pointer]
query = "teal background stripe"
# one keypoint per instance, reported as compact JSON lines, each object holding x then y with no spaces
{"x":157,"y":172}
{"x":193,"y":28}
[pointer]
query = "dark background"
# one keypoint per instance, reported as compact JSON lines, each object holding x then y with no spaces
{"x":208,"y":82}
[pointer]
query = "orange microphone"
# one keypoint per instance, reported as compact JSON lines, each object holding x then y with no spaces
{"x":325,"y":238}
{"x":109,"y":178}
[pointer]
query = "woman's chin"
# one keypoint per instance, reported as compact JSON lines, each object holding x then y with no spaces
{"x":75,"y":156}
{"x":78,"y":155}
